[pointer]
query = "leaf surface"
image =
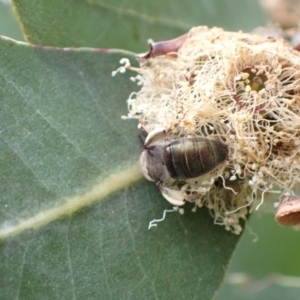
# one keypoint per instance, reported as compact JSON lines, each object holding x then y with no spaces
{"x":74,"y":207}
{"x":130,"y":23}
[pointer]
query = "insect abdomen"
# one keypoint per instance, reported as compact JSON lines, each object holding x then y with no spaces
{"x":191,"y":157}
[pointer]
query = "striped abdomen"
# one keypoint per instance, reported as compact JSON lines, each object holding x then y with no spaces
{"x":191,"y":157}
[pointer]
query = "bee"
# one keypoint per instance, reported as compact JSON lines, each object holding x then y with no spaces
{"x":170,"y":162}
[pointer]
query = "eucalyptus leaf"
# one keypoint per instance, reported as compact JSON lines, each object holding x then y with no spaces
{"x":74,"y":207}
{"x":130,"y":23}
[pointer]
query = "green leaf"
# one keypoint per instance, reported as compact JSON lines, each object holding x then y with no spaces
{"x":128,"y":24}
{"x":75,"y":209}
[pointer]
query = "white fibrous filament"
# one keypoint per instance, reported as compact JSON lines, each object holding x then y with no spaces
{"x":243,"y":89}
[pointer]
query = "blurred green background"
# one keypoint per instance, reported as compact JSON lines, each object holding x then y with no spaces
{"x":8,"y":24}
{"x":266,"y":264}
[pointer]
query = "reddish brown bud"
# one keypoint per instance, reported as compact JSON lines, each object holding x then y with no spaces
{"x":288,"y":212}
{"x":164,"y":47}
